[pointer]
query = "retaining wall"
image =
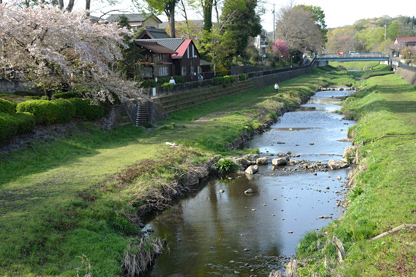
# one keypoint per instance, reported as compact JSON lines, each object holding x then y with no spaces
{"x":10,"y":87}
{"x":407,"y":75}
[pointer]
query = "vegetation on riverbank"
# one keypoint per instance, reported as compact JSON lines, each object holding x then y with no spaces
{"x":70,"y":205}
{"x":384,"y":193}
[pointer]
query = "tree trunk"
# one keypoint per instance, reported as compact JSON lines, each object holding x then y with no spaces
{"x":70,"y":6}
{"x":208,"y":15}
{"x":171,"y":20}
{"x":88,"y":5}
{"x":61,"y":4}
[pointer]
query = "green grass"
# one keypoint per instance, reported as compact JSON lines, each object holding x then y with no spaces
{"x":71,"y":202}
{"x":384,"y":193}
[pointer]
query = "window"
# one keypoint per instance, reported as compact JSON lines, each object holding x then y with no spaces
{"x":183,"y":70}
{"x":198,"y":70}
{"x":163,"y":71}
{"x":191,"y":70}
{"x":187,"y":52}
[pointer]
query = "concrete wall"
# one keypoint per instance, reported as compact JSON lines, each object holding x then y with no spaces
{"x":268,"y":80}
{"x":407,"y":75}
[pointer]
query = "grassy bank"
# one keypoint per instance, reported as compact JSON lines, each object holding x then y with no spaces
{"x":70,"y":205}
{"x":384,"y":193}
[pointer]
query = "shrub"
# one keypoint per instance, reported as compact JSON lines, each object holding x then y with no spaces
{"x":148,"y":84}
{"x":168,"y":85}
{"x":14,"y":124}
{"x":85,"y":110}
{"x":65,"y":95}
{"x":7,"y":106}
{"x":225,"y":165}
{"x":228,"y":79}
{"x":242,"y":76}
{"x":26,"y":93}
{"x":48,"y":112}
{"x":218,"y":80}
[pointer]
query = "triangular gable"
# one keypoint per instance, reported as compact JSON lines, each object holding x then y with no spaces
{"x":182,"y":49}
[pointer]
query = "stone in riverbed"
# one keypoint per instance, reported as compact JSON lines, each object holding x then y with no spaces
{"x":337,"y":164}
{"x":262,"y":161}
{"x":252,"y":169}
{"x":279,"y":161}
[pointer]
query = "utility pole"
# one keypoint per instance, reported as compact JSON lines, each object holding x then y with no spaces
{"x":274,"y":24}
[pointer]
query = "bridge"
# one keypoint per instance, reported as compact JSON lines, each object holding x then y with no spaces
{"x":352,"y":57}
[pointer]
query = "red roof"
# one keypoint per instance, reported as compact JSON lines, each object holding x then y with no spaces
{"x":182,"y":49}
{"x":405,"y":39}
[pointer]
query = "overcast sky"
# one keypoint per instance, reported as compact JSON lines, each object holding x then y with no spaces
{"x":337,"y":13}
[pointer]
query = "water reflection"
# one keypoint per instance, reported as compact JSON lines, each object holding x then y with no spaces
{"x":230,"y":233}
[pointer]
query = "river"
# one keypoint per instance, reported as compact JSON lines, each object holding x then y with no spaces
{"x":229,"y":233}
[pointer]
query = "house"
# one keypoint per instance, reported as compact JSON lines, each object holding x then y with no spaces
{"x":157,"y":60}
{"x":152,"y":33}
{"x":137,"y":20}
{"x":401,"y":42}
{"x":170,"y":56}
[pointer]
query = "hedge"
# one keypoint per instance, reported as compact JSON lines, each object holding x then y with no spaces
{"x":65,"y":95}
{"x":85,"y":110}
{"x":15,"y":124}
{"x":228,"y":79}
{"x":218,"y":80}
{"x":48,"y":112}
{"x":7,"y":106}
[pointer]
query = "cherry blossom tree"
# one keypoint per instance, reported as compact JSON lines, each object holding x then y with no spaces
{"x":48,"y":47}
{"x":279,"y":49}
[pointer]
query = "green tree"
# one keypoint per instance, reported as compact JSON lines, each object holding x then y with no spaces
{"x":207,"y":6}
{"x":319,"y":16}
{"x":392,"y":31}
{"x":240,"y":22}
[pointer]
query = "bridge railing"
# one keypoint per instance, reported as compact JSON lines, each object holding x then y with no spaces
{"x":354,"y":56}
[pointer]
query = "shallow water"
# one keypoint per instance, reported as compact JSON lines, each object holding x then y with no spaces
{"x":231,"y":233}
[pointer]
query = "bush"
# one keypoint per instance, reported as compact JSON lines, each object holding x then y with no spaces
{"x":228,"y":79}
{"x":225,"y":165}
{"x":65,"y":95}
{"x":48,"y":112}
{"x":7,"y":106}
{"x":85,"y":110}
{"x":242,"y":76}
{"x":26,"y":93}
{"x":168,"y":85}
{"x":15,"y":124}
{"x":218,"y":80}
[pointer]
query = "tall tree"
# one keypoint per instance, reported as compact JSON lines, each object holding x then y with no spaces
{"x":207,"y":6}
{"x":166,"y":6}
{"x":319,"y":16}
{"x":297,"y":27}
{"x":240,"y":19}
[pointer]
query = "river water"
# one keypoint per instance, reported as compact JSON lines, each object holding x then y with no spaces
{"x":229,"y":233}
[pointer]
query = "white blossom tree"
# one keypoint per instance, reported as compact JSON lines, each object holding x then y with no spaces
{"x":48,"y":47}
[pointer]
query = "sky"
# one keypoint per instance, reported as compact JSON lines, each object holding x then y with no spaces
{"x":343,"y":13}
{"x":337,"y":13}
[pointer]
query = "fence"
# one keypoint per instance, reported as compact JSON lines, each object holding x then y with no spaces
{"x":163,"y":90}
